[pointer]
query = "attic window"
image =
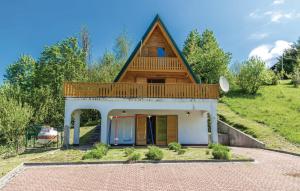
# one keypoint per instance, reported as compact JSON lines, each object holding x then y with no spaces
{"x":161,"y":52}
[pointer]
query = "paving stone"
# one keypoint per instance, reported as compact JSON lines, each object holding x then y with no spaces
{"x":271,"y":171}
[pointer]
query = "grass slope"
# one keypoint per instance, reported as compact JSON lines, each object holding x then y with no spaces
{"x":274,"y":111}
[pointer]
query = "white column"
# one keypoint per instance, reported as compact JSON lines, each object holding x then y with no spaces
{"x":76,"y":127}
{"x":104,"y":122}
{"x":214,"y":124}
{"x":67,"y":124}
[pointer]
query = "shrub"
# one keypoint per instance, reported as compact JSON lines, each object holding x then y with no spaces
{"x":210,"y":145}
{"x":251,"y":75}
{"x":128,"y":151}
{"x":220,"y":147}
{"x":174,"y":146}
{"x":221,"y":152}
{"x":93,"y":154}
{"x":97,"y":152}
{"x":296,"y":77}
{"x":181,"y":151}
{"x":134,"y":156}
{"x":154,"y":153}
{"x":270,"y":78}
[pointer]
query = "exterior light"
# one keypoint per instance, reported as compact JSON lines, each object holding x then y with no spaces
{"x":188,"y":114}
{"x":111,"y":117}
{"x":149,"y":116}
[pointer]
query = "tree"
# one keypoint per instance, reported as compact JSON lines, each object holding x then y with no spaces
{"x":122,"y":47}
{"x":64,"y":61}
{"x":191,"y":46}
{"x":22,"y":74}
{"x":251,"y":75}
{"x":288,"y":61}
{"x":296,"y":74}
{"x":14,"y":118}
{"x":110,"y":64}
{"x":208,"y":61}
{"x":105,"y":70}
{"x":86,"y":43}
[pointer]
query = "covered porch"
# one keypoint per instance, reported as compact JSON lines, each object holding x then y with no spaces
{"x":119,"y":118}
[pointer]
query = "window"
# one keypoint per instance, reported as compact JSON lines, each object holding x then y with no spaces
{"x":161,"y":52}
{"x":161,"y":81}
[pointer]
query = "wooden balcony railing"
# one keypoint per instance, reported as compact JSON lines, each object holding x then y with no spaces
{"x":135,"y":90}
{"x":156,"y":64}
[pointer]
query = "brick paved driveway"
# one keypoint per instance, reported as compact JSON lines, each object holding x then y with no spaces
{"x":271,"y":171}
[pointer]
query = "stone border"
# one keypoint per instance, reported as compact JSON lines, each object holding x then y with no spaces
{"x":284,"y":152}
{"x":29,"y":164}
{"x":6,"y":178}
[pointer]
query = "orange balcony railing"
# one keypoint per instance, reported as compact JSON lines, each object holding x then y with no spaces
{"x":156,"y":64}
{"x":136,"y":90}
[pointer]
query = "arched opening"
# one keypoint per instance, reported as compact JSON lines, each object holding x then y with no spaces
{"x":85,"y":127}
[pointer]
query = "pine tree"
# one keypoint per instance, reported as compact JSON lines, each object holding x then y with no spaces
{"x":191,"y":46}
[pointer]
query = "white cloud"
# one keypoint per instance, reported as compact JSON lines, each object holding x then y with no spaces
{"x":258,"y":36}
{"x":278,"y":2}
{"x":255,"y":14}
{"x":270,"y":52}
{"x":277,"y":16}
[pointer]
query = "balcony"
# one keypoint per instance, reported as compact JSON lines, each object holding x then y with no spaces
{"x":135,"y":90}
{"x":166,"y":64}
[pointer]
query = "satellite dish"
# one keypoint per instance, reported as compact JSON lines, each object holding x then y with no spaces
{"x":224,"y":84}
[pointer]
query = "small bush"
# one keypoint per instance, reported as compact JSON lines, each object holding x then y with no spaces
{"x":154,"y":153}
{"x":93,"y":154}
{"x":270,"y":78}
{"x":174,"y":146}
{"x":128,"y":151}
{"x":181,"y":151}
{"x":134,"y":156}
{"x":97,"y":152}
{"x":221,"y":152}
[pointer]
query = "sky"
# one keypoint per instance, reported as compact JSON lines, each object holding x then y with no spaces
{"x":261,"y":28}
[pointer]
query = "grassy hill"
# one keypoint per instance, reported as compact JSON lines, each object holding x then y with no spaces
{"x":272,"y":116}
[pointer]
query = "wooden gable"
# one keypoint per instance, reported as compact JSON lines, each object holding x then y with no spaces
{"x":146,"y":63}
{"x":156,"y":39}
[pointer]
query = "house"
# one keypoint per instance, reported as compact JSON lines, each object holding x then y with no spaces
{"x":155,"y":99}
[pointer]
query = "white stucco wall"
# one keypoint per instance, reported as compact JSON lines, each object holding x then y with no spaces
{"x":192,"y":129}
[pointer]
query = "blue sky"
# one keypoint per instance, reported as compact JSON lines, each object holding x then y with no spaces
{"x":256,"y":27}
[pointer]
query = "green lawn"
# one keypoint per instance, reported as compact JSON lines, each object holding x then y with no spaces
{"x":117,"y":154}
{"x":273,"y":115}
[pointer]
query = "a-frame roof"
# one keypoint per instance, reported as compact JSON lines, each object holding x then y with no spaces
{"x":152,"y":25}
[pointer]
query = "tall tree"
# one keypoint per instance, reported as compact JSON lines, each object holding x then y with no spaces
{"x":64,"y":61}
{"x":86,"y":43}
{"x":122,"y":47}
{"x":191,"y":46}
{"x":14,"y":118}
{"x":288,"y":61}
{"x":107,"y":68}
{"x":208,"y":61}
{"x":22,"y":74}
